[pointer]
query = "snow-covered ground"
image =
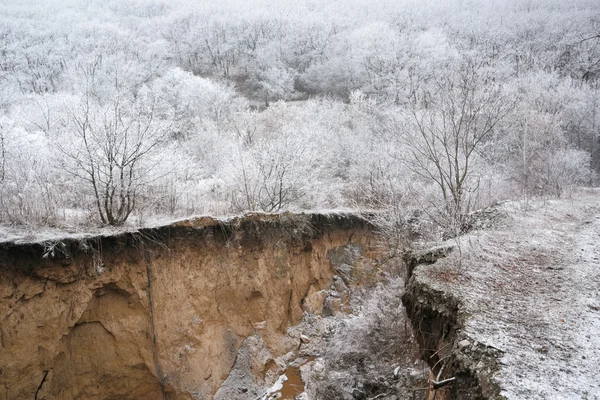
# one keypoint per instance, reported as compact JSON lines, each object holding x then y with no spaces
{"x":531,"y":288}
{"x":44,"y":234}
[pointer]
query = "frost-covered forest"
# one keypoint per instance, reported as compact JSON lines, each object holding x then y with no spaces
{"x":132,"y":110}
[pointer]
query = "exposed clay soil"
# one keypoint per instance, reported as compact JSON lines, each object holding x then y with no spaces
{"x":528,"y":294}
{"x":172,"y":312}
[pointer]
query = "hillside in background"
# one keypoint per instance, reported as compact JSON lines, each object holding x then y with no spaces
{"x":117,"y":112}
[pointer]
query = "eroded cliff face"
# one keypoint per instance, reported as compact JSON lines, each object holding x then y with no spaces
{"x":163,"y":313}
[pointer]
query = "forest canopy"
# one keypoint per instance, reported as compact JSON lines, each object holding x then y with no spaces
{"x":130,"y":110}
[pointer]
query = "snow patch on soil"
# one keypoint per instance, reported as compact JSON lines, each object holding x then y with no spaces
{"x":531,"y":289}
{"x":42,"y":234}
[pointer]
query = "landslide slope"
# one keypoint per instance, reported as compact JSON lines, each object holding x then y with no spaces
{"x":514,"y":312}
{"x":163,"y":313}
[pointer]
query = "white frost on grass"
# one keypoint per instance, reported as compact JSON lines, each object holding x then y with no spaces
{"x":531,"y":289}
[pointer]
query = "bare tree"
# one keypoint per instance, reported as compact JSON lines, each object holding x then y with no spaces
{"x":111,"y":151}
{"x":447,"y":127}
{"x":273,"y":174}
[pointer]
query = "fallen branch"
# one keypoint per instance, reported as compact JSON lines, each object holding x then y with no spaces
{"x":440,"y":384}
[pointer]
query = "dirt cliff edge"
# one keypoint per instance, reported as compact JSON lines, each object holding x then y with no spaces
{"x":161,"y":313}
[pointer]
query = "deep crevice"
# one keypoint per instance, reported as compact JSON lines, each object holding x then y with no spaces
{"x":436,"y":322}
{"x":157,"y":366}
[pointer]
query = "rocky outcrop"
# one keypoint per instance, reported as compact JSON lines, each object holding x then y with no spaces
{"x":163,"y":313}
